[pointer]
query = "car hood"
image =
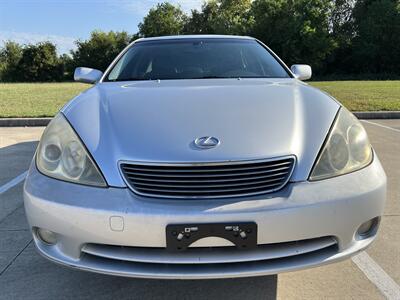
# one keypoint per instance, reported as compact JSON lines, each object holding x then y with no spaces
{"x":158,"y":121}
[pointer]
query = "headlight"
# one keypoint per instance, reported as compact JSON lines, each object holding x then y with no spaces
{"x":346,"y":149}
{"x":62,"y":155}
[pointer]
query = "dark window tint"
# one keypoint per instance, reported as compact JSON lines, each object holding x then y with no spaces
{"x":195,"y":59}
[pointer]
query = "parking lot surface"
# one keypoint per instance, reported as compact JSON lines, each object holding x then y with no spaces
{"x":374,"y":274}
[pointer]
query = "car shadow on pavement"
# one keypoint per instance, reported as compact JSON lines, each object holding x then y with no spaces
{"x":15,"y":159}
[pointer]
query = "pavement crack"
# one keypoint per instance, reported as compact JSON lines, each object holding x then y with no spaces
{"x":12,"y":261}
{"x":4,"y":218}
{"x":13,"y":230}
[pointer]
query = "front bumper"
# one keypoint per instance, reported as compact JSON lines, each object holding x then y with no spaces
{"x":114,"y":231}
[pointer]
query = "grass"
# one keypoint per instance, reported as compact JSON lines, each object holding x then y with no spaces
{"x":364,"y":95}
{"x":45,"y":99}
{"x":36,"y":99}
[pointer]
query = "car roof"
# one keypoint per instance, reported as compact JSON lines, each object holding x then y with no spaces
{"x":195,"y":36}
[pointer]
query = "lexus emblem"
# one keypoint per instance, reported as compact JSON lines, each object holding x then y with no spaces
{"x":206,"y":142}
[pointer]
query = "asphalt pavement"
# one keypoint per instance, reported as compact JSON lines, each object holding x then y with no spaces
{"x":24,"y":274}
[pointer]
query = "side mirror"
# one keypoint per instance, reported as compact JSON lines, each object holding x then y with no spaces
{"x":87,"y":75}
{"x":301,"y":72}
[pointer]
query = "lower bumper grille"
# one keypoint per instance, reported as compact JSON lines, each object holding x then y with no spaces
{"x":210,"y":255}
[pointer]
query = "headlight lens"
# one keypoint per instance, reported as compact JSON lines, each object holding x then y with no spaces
{"x":62,"y":155}
{"x":347,"y":148}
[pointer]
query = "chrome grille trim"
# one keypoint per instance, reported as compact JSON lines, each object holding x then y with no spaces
{"x":207,"y":185}
{"x":208,"y":180}
{"x":197,"y":180}
{"x":175,"y":169}
{"x":207,"y":175}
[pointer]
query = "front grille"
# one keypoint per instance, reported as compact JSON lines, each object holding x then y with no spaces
{"x":208,"y":180}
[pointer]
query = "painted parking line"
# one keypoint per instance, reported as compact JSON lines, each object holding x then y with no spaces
{"x":380,"y":125}
{"x":388,"y":287}
{"x":13,"y":182}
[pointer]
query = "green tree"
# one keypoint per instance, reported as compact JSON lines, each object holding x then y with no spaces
{"x":342,"y":32}
{"x":376,"y":46}
{"x":99,"y":50}
{"x":341,"y":21}
{"x":297,"y":30}
{"x":200,"y":21}
{"x":10,"y":55}
{"x":67,"y":65}
{"x":221,"y":17}
{"x":164,"y":19}
{"x":40,"y":63}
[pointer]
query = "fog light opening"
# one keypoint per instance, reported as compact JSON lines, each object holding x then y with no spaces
{"x":46,"y":236}
{"x":368,"y":228}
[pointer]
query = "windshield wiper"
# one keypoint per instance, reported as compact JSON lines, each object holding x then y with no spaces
{"x":213,"y":77}
{"x":129,"y":79}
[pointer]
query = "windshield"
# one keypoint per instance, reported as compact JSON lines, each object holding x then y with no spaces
{"x":196,"y":59}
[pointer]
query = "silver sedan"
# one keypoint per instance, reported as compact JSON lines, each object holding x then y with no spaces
{"x":202,"y":157}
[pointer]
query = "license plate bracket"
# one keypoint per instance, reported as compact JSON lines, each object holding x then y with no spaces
{"x":242,"y":234}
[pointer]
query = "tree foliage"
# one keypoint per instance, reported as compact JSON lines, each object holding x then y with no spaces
{"x":164,"y":19}
{"x":200,"y":22}
{"x":339,"y":37}
{"x":297,"y":30}
{"x":376,"y":46}
{"x":30,"y":63}
{"x":100,"y":49}
{"x":10,"y":56}
{"x":222,"y":17}
{"x":40,"y":63}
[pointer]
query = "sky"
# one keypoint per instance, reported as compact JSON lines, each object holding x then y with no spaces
{"x":64,"y":21}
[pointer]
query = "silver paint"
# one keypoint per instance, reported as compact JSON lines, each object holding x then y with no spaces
{"x":157,"y":121}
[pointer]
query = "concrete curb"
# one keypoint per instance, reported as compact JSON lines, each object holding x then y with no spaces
{"x":22,"y":122}
{"x":377,"y":114}
{"x":35,"y":122}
